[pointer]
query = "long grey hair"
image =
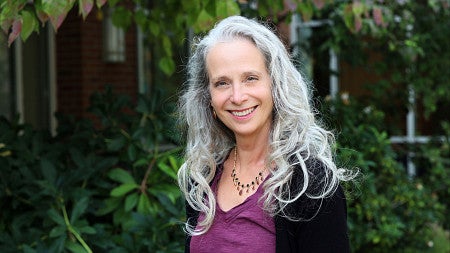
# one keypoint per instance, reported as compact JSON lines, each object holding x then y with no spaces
{"x":295,"y":137}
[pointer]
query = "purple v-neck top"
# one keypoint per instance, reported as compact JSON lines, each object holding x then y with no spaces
{"x":244,"y":228}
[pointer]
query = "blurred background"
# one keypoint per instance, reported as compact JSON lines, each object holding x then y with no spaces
{"x":89,"y":147}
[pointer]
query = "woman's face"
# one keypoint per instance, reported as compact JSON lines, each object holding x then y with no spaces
{"x":240,"y":87}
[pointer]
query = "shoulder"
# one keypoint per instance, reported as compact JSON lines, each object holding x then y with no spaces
{"x":319,"y":190}
{"x":323,"y":230}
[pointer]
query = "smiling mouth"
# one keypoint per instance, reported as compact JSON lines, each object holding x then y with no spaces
{"x":244,"y":112}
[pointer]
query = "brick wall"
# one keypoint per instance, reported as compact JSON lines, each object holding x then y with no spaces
{"x":81,"y":69}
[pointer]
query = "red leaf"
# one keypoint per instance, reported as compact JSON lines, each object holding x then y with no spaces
{"x":15,"y":31}
{"x":86,"y":7}
{"x":378,"y":16}
{"x":319,"y":4}
{"x":358,"y":23}
{"x":445,"y":4}
{"x":57,"y":21}
{"x":42,"y":16}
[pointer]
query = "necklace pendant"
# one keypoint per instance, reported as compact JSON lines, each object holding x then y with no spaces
{"x":240,"y":187}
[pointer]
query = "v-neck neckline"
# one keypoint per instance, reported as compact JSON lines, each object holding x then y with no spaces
{"x":248,"y":203}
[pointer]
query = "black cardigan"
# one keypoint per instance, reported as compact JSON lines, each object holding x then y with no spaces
{"x":325,"y":232}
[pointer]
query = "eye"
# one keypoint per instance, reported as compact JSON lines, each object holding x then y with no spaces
{"x":252,"y":78}
{"x":220,"y":83}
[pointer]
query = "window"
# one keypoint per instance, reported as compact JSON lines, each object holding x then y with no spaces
{"x":306,"y":40}
{"x":27,"y":79}
{"x":6,"y":87}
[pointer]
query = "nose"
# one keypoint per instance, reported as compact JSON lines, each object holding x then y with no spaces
{"x":238,"y":95}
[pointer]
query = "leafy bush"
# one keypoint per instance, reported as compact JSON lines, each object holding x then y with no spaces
{"x":388,"y":211}
{"x":105,"y":187}
{"x":110,"y":186}
{"x":433,"y":160}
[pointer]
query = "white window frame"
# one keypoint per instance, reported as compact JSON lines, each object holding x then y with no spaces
{"x":296,"y":24}
{"x":411,"y":122}
{"x":18,"y":80}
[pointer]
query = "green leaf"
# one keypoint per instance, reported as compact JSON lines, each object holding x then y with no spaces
{"x":48,"y":170}
{"x":57,"y":10}
{"x":100,"y":3}
{"x":174,"y":162}
{"x":306,"y":10}
{"x":111,"y":204}
{"x":113,"y":3}
{"x":77,"y":157}
{"x":131,"y":201}
{"x":57,"y":244}
{"x":121,"y":176}
{"x":227,"y":8}
{"x":167,"y":65}
{"x":167,"y":170}
{"x":57,"y":231}
{"x":28,"y":249}
{"x":168,"y":205}
{"x":131,"y":151}
{"x":74,"y":247}
{"x":141,"y":18}
{"x":154,"y":28}
{"x":141,"y":162}
{"x":123,"y":189}
{"x":171,"y":191}
{"x":121,"y":17}
{"x":87,"y":230}
{"x":204,"y":21}
{"x":79,"y":208}
{"x":29,"y":25}
{"x":116,"y":144}
{"x":358,"y":8}
{"x":144,"y":204}
{"x":167,"y":45}
{"x":56,"y":217}
{"x":211,"y":7}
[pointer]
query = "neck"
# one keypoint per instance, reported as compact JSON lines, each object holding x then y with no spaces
{"x":253,"y":149}
{"x":251,"y":158}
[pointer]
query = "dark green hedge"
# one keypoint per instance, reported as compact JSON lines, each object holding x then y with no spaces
{"x":110,"y":186}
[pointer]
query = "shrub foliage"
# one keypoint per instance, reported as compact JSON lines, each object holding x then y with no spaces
{"x":109,"y":187}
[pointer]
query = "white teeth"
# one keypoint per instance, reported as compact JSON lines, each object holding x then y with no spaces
{"x":243,"y":113}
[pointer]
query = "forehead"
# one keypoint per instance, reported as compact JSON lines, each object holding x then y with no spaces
{"x":237,"y":52}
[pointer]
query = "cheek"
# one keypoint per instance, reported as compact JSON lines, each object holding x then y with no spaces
{"x":217,"y":99}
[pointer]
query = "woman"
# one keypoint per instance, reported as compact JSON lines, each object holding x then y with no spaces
{"x":259,"y":174}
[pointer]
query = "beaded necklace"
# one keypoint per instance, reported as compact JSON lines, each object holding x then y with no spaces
{"x":240,"y":187}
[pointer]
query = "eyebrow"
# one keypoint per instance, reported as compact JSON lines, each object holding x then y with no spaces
{"x":246,"y":73}
{"x":215,"y":79}
{"x":252,"y":72}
